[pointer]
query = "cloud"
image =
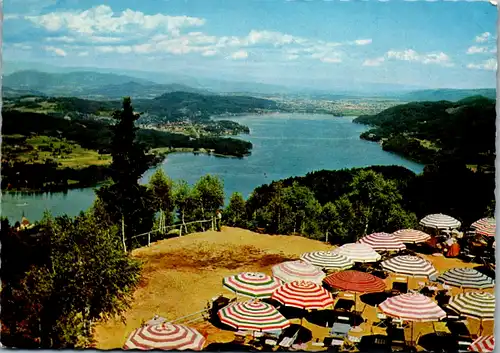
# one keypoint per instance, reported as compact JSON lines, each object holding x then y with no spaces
{"x":88,"y":39}
{"x":209,"y":53}
{"x":22,"y":46}
{"x":101,"y":30}
{"x":12,"y":16}
{"x":239,"y":55}
{"x":330,"y":60}
{"x":363,"y":41}
{"x":490,"y":64}
{"x":102,"y":20}
{"x":483,"y":37}
{"x":412,"y":56}
{"x":374,"y":62}
{"x":477,"y":50}
{"x":56,"y":51}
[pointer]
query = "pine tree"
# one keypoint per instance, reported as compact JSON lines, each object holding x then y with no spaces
{"x":128,"y":204}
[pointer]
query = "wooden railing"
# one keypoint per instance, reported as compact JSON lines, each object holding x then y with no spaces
{"x":180,"y":225}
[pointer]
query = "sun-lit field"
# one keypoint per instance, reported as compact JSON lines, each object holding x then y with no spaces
{"x":65,"y":153}
{"x":181,"y":274}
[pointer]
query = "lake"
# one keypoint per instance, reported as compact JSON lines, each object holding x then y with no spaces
{"x":284,"y":145}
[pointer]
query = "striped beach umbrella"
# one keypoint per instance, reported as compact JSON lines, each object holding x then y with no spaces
{"x":383,"y":242}
{"x":408,"y":265}
{"x":466,"y":278}
{"x":303,"y":295}
{"x":439,"y":221}
{"x":412,"y":307}
{"x":485,"y":226}
{"x":299,"y":270}
{"x":411,"y":236}
{"x":484,"y":222}
{"x":483,"y":344}
{"x":355,"y":281}
{"x":253,"y":316}
{"x":252,"y":284}
{"x":328,"y":260}
{"x":165,"y":337}
{"x":477,"y":305}
{"x":358,"y":252}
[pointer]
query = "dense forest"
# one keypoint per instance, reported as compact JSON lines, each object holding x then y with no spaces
{"x":431,"y":131}
{"x":399,"y":196}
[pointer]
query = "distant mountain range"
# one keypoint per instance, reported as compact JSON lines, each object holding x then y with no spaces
{"x":310,"y":88}
{"x":104,"y":84}
{"x":87,"y":85}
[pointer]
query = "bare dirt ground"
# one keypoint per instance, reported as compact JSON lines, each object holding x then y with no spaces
{"x":181,"y":274}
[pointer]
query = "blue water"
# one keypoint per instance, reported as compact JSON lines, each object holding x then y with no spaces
{"x":284,"y":145}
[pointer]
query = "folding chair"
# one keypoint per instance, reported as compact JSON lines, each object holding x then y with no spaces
{"x":351,"y":343}
{"x":382,"y":320}
{"x":399,"y":323}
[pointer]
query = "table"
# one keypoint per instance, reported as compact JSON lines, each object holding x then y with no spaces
{"x":401,"y":287}
{"x":336,"y":342}
{"x":340,"y":329}
{"x":344,"y":304}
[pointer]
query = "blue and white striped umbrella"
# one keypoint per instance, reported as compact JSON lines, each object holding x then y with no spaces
{"x":466,"y":278}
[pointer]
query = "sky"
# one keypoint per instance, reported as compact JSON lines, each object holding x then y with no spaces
{"x":433,"y":44}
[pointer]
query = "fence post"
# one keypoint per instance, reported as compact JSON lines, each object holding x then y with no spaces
{"x":149,"y":238}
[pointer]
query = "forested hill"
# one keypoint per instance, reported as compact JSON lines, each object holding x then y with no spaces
{"x":431,"y":131}
{"x":170,"y":106}
{"x":178,"y":104}
{"x":448,"y":94}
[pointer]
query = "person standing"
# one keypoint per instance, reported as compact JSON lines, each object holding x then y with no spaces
{"x":219,"y":220}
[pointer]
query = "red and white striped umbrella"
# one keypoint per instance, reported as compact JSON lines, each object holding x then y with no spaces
{"x":412,"y":307}
{"x":303,"y":295}
{"x":485,"y":226}
{"x":411,"y":236}
{"x":299,"y":270}
{"x":383,"y":242}
{"x":165,"y":337}
{"x":253,"y":316}
{"x":252,"y":284}
{"x":358,"y":252}
{"x":483,"y":344}
{"x":355,"y":281}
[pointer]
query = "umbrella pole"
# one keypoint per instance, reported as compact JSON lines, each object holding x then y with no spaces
{"x":412,"y":327}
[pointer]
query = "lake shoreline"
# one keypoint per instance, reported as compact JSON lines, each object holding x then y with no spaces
{"x":160,"y":162}
{"x":284,"y":145}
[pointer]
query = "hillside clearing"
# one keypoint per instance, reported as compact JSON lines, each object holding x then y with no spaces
{"x":181,"y":274}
